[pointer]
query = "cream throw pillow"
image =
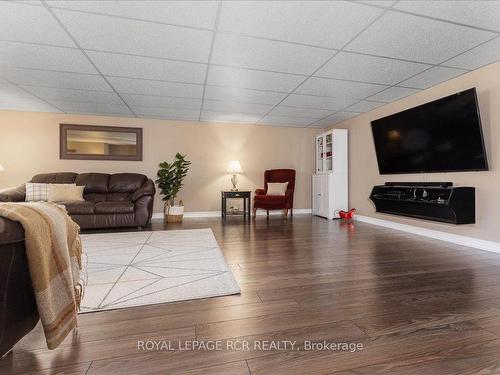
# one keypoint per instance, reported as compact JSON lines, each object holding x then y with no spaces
{"x":276,"y":188}
{"x":38,"y":192}
{"x":61,"y":193}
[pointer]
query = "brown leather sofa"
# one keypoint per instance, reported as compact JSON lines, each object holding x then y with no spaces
{"x":111,"y":200}
{"x":18,"y":310}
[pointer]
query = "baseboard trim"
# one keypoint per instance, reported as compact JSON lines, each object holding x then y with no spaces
{"x":201,"y":214}
{"x":438,"y":235}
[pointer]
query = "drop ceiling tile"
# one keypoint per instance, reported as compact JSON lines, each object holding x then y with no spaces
{"x":214,"y":116}
{"x":50,"y":93}
{"x":483,"y":14}
{"x":55,"y":79}
{"x":167,"y":113}
{"x":364,"y":106}
{"x":10,"y":91}
{"x":287,"y":121}
{"x":236,"y":107}
{"x":113,"y":64}
{"x":380,"y":3}
{"x":162,"y":102}
{"x":112,"y":34}
{"x":30,"y":2}
{"x":335,"y":22}
{"x":415,"y":38}
{"x":338,"y":89}
{"x":318,"y":102}
{"x":364,"y":68}
{"x":334,"y":119}
{"x":392,"y":94}
{"x":344,"y":115}
{"x":159,"y":88}
{"x":432,"y":77}
{"x":21,"y":55}
{"x":105,"y":114}
{"x":243,"y":95}
{"x":26,"y":104}
{"x":254,"y":53}
{"x":319,"y":124}
{"x":32,"y":24}
{"x":277,"y":124}
{"x":77,"y":107}
{"x":485,"y":54}
{"x":309,"y":113}
{"x":188,"y":13}
{"x":252,"y":79}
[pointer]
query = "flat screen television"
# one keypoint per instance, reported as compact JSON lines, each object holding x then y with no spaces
{"x":441,"y":136}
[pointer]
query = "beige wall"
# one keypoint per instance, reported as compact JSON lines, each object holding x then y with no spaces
{"x":363,"y":164}
{"x":29,"y":144}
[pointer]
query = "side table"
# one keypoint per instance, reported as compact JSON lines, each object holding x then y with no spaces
{"x":245,"y":195}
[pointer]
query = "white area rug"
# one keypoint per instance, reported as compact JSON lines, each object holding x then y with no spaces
{"x":144,"y":268}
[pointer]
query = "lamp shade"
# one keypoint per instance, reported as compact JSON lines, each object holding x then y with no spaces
{"x":234,"y":167}
{"x":1,"y":168}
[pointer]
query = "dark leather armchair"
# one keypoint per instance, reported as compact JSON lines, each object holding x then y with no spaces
{"x":18,"y":310}
{"x":111,"y":200}
{"x":124,"y":199}
{"x":276,"y":202}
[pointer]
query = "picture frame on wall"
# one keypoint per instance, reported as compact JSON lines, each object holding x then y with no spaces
{"x":91,"y":142}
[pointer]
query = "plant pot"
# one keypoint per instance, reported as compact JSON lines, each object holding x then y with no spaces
{"x":173,"y":214}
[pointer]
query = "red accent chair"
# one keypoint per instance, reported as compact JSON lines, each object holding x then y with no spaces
{"x":276,"y":202}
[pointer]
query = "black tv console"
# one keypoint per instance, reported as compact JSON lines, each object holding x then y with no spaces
{"x":444,"y":203}
{"x":420,"y":184}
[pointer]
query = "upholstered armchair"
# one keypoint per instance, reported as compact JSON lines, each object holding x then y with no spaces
{"x":276,"y":202}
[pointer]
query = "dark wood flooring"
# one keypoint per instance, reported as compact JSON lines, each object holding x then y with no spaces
{"x":418,"y":306}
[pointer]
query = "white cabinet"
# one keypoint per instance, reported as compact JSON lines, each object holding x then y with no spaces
{"x":330,"y":182}
{"x":321,"y":198}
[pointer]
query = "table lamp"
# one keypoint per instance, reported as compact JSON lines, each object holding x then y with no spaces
{"x":234,"y":168}
{"x":1,"y":168}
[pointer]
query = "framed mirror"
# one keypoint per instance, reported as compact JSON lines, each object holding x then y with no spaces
{"x":89,"y":142}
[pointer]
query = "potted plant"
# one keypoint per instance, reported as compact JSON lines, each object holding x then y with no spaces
{"x":170,"y":177}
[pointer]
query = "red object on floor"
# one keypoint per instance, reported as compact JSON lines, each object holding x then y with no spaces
{"x":347,"y":215}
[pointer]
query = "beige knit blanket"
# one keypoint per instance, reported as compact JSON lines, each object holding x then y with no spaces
{"x":54,"y":252}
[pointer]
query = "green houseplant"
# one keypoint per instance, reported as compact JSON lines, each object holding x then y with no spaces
{"x":170,"y":180}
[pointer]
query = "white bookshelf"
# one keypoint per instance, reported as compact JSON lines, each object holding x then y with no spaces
{"x":330,"y":180}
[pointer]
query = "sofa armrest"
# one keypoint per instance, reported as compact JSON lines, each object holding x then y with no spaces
{"x":147,"y":189}
{"x":260,"y":192}
{"x":143,"y":209}
{"x":289,"y":193}
{"x":13,"y":195}
{"x":10,"y":232}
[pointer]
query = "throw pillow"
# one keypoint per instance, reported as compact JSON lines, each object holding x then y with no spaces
{"x":62,"y":193}
{"x":36,"y":192}
{"x":276,"y":188}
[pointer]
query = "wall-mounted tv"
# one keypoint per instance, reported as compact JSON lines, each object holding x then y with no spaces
{"x":441,"y":136}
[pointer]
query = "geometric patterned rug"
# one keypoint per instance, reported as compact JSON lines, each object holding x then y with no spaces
{"x":143,"y":268}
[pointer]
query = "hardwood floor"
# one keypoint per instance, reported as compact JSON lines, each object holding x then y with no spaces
{"x":418,"y":306}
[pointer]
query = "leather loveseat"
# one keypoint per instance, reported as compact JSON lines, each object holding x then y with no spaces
{"x":111,"y":200}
